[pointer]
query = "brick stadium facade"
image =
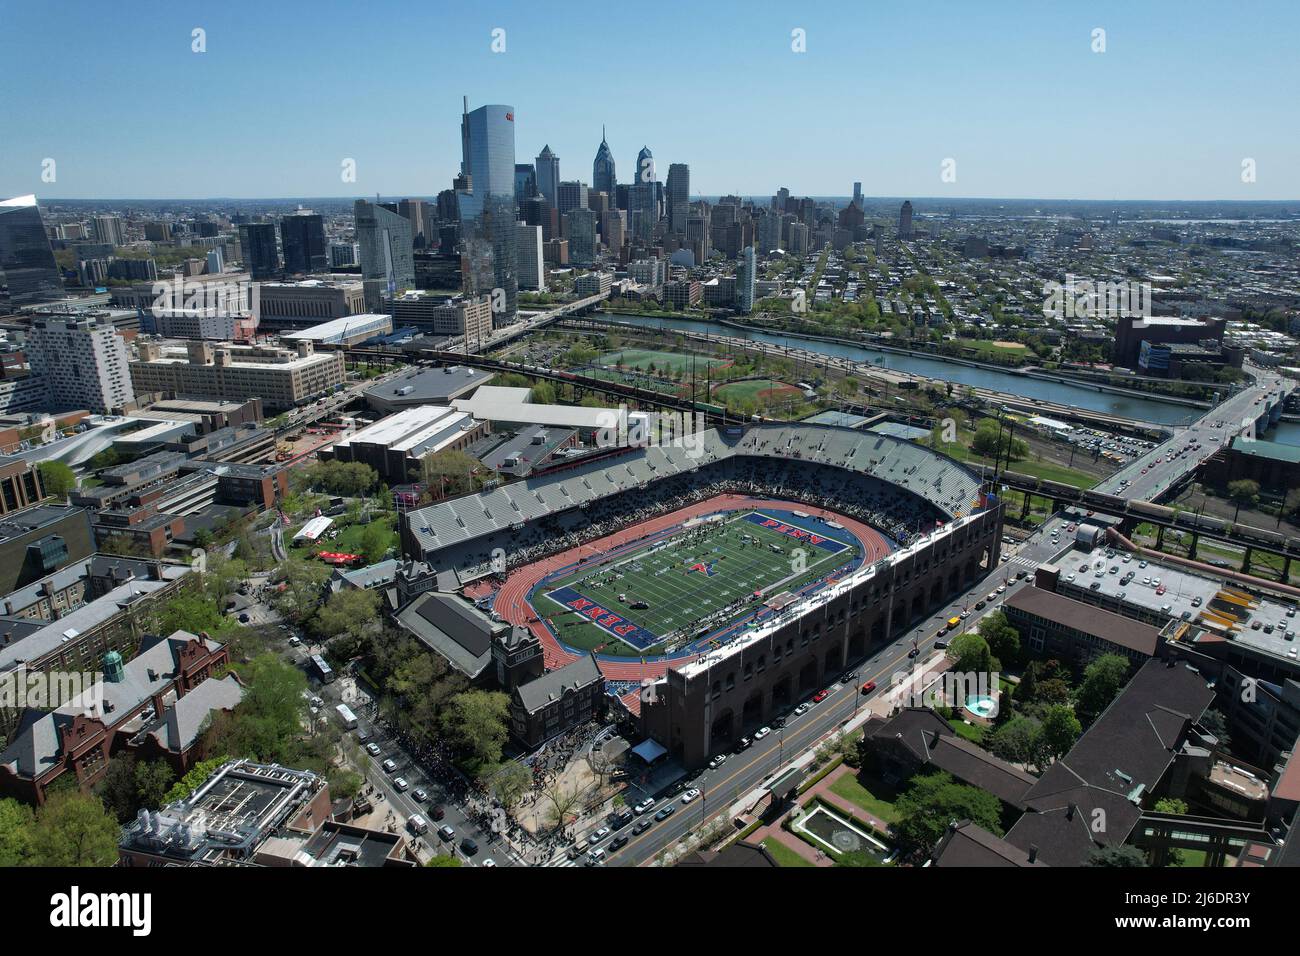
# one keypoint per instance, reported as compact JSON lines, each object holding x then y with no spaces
{"x":705,"y":705}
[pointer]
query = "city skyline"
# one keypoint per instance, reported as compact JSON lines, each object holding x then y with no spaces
{"x":878,"y":97}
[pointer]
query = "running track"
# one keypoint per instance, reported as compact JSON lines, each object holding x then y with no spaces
{"x":512,"y":599}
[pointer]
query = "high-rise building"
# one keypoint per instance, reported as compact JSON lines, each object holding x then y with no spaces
{"x":905,"y":220}
{"x":26,"y":259}
{"x":679,"y":197}
{"x":343,"y":254}
{"x":525,"y":183}
{"x":857,"y":195}
{"x":548,"y":174}
{"x":746,"y":280}
{"x":387,"y":259}
{"x":83,"y":362}
{"x":416,"y":212}
{"x":109,"y":229}
{"x":603,"y":178}
{"x":532,"y":267}
{"x":571,"y":195}
{"x":303,"y":237}
{"x":257,"y":242}
{"x":581,"y":233}
{"x":769,"y":232}
{"x":612,"y":228}
{"x":487,"y":211}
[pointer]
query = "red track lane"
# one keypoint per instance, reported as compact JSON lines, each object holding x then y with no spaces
{"x":512,"y":600}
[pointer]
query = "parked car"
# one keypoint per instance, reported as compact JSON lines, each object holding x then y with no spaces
{"x":446,"y":832}
{"x":820,"y":696}
{"x":690,"y":795}
{"x":468,"y":846}
{"x":642,"y":826}
{"x":390,"y":766}
{"x":401,"y":784}
{"x":762,"y":732}
{"x":419,"y":795}
{"x":644,"y":805}
{"x":373,"y":749}
{"x":618,"y":842}
{"x":717,"y":761}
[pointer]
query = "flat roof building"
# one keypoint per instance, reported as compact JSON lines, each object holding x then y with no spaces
{"x":394,"y":446}
{"x":426,"y":386}
{"x":346,"y":331}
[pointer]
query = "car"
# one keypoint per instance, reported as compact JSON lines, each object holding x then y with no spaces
{"x":644,"y":805}
{"x":913,"y":652}
{"x":401,"y":784}
{"x":294,"y":642}
{"x":868,"y":687}
{"x":317,"y":702}
{"x":390,"y":766}
{"x":621,"y":819}
{"x":940,"y":645}
{"x":666,"y":811}
{"x":1002,"y":588}
{"x":762,"y":732}
{"x":447,"y":833}
{"x":717,"y":761}
{"x":438,"y":812}
{"x":744,"y":743}
{"x":690,"y":795}
{"x":243,"y":619}
{"x":979,"y":605}
{"x":820,"y":696}
{"x":802,"y":709}
{"x":618,"y":842}
{"x":488,"y":862}
{"x":595,"y":857}
{"x":641,"y":826}
{"x":468,"y":846}
{"x":419,"y":795}
{"x":598,"y":835}
{"x":373,"y":749}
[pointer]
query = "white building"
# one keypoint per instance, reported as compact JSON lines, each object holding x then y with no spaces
{"x":83,"y":362}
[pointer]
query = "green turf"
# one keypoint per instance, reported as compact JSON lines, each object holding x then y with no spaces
{"x":662,"y":361}
{"x":680,"y":599}
{"x":871,"y":795}
{"x":754,"y":389}
{"x":783,"y":855}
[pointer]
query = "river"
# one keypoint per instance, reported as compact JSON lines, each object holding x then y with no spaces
{"x":1124,"y":406}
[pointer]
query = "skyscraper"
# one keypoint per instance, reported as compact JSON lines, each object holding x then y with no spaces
{"x":416,"y":212}
{"x":548,"y":174}
{"x":387,"y":259}
{"x":83,"y":362}
{"x":303,"y":237}
{"x":905,"y":220}
{"x":257,"y":242}
{"x":603,"y":178}
{"x":525,"y":183}
{"x":857,"y":195}
{"x":26,"y":259}
{"x":109,"y":229}
{"x":679,"y":196}
{"x":487,"y":211}
{"x":582,"y":236}
{"x":746,"y":280}
{"x":571,"y":195}
{"x":532,"y":267}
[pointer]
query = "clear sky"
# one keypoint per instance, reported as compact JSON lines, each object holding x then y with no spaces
{"x":885,"y":92}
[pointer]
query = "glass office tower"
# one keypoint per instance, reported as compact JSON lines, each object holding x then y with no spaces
{"x":487,"y":208}
{"x":26,"y":259}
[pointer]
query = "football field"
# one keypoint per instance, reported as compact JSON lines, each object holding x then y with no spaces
{"x":685,"y":586}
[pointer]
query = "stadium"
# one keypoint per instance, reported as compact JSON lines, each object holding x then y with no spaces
{"x":720,"y":580}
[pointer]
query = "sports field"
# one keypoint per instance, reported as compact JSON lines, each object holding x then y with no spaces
{"x":662,"y":361}
{"x":692,"y":584}
{"x":757,"y":389}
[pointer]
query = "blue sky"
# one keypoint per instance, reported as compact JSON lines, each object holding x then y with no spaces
{"x":885,"y":92}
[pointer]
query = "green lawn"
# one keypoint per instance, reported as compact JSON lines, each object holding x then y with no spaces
{"x":971,"y":732}
{"x":662,"y":361}
{"x":987,"y":346}
{"x":754,"y":389}
{"x":1035,"y":469}
{"x":783,"y":854}
{"x":871,"y":795}
{"x":1193,"y":858}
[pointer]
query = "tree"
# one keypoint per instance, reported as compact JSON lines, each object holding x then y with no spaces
{"x":347,"y":613}
{"x":74,"y":829}
{"x":16,"y":823}
{"x":444,"y":859}
{"x":195,"y":778}
{"x":508,"y":782}
{"x":1117,"y":856}
{"x":477,"y":723}
{"x":935,"y":800}
{"x":971,"y":654}
{"x":1060,"y":730}
{"x":1102,"y":680}
{"x":1243,"y":491}
{"x":376,"y":539}
{"x":268,"y":722}
{"x":1171,"y":805}
{"x":57,"y":478}
{"x":451,"y":472}
{"x":303,"y":583}
{"x":1003,"y":639}
{"x":190,"y":611}
{"x":1019,"y":740}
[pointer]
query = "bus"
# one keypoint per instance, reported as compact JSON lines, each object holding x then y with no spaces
{"x":348,"y":718}
{"x":322,"y":669}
